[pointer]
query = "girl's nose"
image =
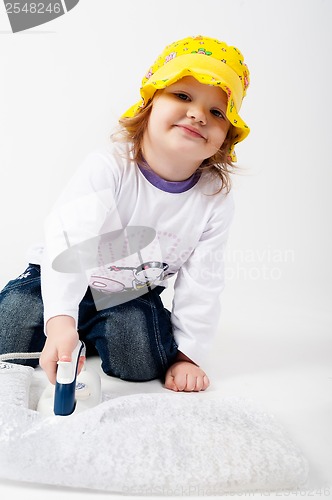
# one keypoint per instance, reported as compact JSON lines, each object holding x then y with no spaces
{"x":197,"y":113}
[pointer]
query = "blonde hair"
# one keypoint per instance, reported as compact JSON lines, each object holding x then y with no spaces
{"x":220,"y":164}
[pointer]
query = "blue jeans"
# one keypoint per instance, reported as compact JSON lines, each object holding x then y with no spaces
{"x":134,"y":340}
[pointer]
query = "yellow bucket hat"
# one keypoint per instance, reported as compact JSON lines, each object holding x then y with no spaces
{"x":209,"y":61}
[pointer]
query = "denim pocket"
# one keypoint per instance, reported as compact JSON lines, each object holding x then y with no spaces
{"x":31,"y":273}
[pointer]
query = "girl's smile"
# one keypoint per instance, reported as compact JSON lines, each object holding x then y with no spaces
{"x":187,"y":124}
{"x":192,"y":131}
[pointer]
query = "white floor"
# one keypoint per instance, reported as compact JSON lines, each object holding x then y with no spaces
{"x":274,"y":348}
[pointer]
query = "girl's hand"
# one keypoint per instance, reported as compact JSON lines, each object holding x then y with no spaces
{"x":186,"y":376}
{"x":62,"y":338}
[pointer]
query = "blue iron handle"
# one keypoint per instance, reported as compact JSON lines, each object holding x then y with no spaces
{"x":64,"y":395}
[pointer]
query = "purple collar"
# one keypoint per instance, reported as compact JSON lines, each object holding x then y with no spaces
{"x":169,"y":186}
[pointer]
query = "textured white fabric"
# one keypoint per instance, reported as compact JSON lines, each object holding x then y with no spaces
{"x":159,"y":444}
{"x":15,"y":383}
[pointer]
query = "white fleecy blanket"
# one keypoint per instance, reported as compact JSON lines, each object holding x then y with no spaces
{"x":147,"y":444}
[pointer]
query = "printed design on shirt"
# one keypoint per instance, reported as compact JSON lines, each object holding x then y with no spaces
{"x":143,"y":276}
{"x":140,"y":266}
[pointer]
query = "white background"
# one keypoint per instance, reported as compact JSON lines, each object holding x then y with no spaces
{"x":63,"y":86}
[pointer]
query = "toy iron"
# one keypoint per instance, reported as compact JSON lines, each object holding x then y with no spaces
{"x":71,"y":393}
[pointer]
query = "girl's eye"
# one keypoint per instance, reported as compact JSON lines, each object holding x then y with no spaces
{"x":217,"y":113}
{"x":183,"y":97}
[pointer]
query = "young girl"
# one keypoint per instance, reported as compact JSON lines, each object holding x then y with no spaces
{"x":154,"y":204}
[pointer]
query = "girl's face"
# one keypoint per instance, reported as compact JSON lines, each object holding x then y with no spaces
{"x":187,"y":124}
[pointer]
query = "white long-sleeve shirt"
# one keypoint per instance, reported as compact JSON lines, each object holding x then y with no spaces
{"x":121,"y":229}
